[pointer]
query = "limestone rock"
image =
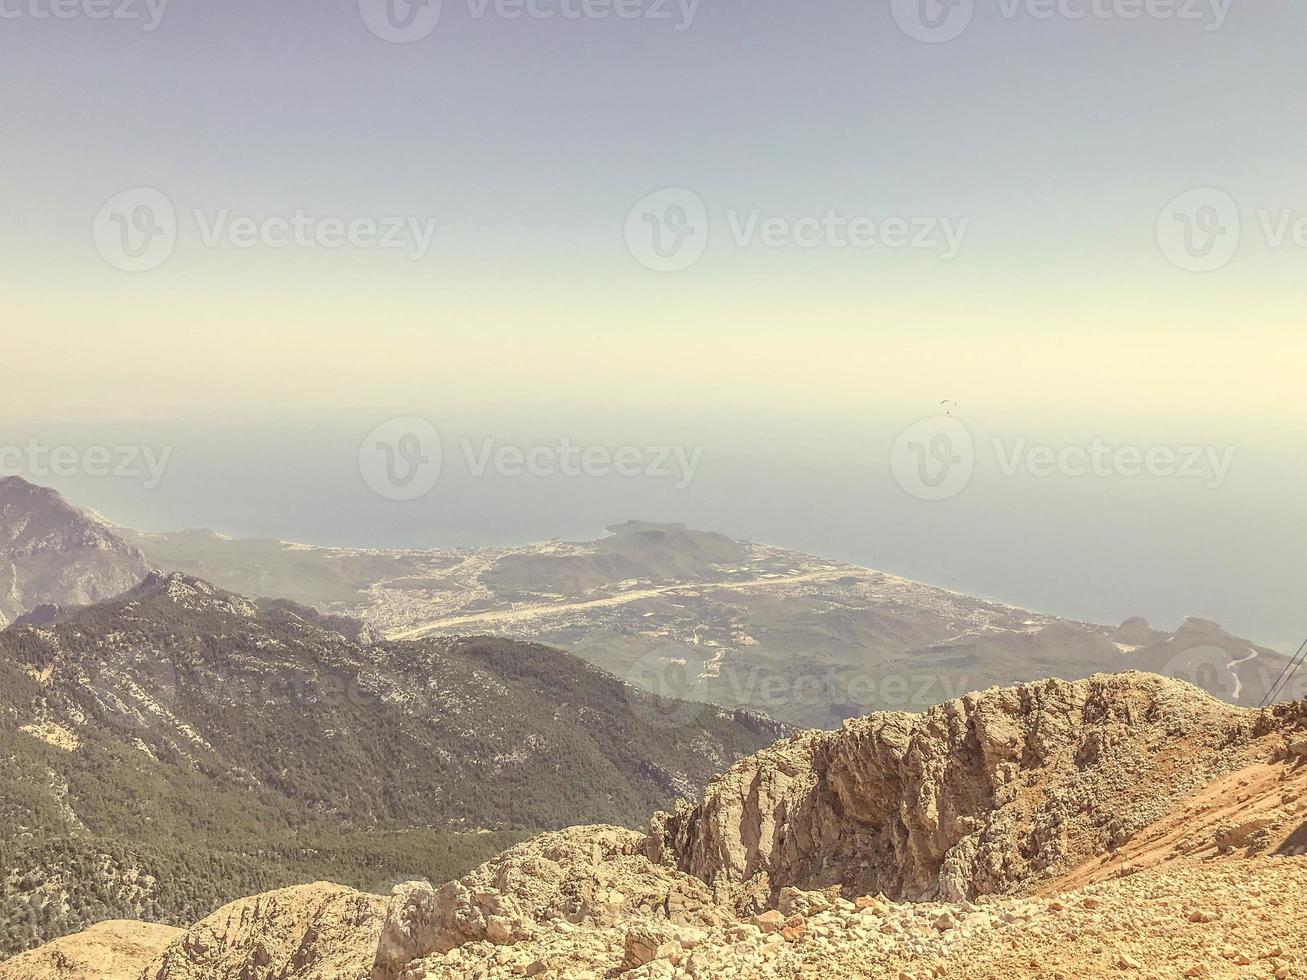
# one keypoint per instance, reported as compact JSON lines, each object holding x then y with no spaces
{"x":113,"y":950}
{"x":310,"y":932}
{"x":585,"y":876}
{"x":988,"y":793}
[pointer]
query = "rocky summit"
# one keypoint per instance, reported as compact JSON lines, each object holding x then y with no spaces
{"x":1122,"y":825}
{"x":52,"y":554}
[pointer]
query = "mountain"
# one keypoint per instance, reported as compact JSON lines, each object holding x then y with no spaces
{"x":1122,"y":825}
{"x":52,"y":553}
{"x":992,"y":793}
{"x":180,"y":736}
{"x":698,"y":616}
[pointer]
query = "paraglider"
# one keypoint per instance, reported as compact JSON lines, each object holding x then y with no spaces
{"x":948,"y":405}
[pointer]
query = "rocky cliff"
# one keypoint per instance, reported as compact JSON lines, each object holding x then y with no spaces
{"x":982,"y":795}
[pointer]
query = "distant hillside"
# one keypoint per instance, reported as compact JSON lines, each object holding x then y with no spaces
{"x":51,"y":553}
{"x":257,"y":744}
{"x":698,"y":616}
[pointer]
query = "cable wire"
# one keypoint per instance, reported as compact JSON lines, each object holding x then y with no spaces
{"x":1286,"y":675}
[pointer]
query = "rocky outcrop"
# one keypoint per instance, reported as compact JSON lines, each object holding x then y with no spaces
{"x":51,"y":552}
{"x":312,"y":932}
{"x":982,"y":795}
{"x":115,"y":950}
{"x":1230,"y":920}
{"x":1213,"y":919}
{"x":585,"y":877}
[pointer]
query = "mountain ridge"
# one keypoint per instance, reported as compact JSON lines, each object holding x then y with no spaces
{"x":52,"y":553}
{"x":276,"y":737}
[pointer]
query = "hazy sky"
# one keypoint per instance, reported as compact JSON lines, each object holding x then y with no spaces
{"x":1041,"y":158}
{"x":1059,"y":141}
